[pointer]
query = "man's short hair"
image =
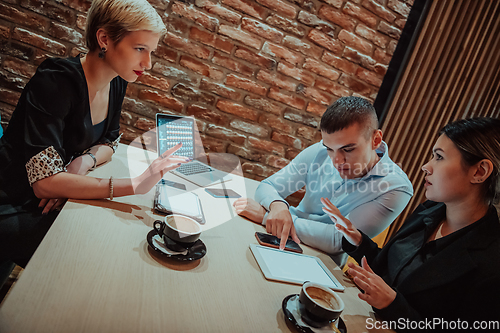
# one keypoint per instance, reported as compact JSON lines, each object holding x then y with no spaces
{"x":347,"y":111}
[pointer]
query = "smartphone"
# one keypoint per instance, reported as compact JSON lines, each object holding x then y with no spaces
{"x":172,"y":184}
{"x":222,"y":193}
{"x":273,"y":241}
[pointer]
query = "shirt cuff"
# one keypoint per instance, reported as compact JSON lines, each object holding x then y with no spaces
{"x":46,"y":163}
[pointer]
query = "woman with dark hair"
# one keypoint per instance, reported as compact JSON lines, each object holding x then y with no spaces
{"x":67,"y":122}
{"x":443,"y":265}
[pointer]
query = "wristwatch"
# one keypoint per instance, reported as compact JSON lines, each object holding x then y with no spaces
{"x":95,"y":161}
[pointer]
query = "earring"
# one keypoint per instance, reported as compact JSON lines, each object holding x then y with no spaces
{"x":102,"y":53}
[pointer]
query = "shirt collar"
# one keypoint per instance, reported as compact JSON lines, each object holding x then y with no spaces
{"x":382,"y":167}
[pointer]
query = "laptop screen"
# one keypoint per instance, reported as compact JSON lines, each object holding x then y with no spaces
{"x":170,"y":130}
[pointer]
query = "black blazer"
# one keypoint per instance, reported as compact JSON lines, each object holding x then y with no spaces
{"x":462,"y":281}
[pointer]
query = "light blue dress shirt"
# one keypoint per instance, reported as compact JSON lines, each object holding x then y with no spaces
{"x":371,"y":202}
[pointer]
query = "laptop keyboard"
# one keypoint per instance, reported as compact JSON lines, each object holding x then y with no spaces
{"x":193,"y":168}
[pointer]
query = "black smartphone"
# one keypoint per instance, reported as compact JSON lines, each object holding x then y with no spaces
{"x":273,"y":241}
{"x":172,"y":184}
{"x":222,"y":193}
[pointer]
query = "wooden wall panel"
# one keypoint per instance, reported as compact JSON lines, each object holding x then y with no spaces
{"x":452,"y":73}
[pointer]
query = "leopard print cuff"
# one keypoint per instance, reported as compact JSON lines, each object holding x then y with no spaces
{"x":46,"y":163}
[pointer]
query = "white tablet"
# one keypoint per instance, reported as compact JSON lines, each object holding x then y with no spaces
{"x":293,"y":267}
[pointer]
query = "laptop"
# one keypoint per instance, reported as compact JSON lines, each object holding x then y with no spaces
{"x":170,"y":130}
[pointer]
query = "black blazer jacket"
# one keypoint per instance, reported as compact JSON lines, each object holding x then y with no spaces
{"x":461,"y":282}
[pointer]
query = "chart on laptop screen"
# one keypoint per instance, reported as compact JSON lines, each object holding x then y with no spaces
{"x":172,"y":130}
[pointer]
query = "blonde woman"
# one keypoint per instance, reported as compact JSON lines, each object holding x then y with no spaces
{"x":67,"y":123}
{"x":443,"y":265}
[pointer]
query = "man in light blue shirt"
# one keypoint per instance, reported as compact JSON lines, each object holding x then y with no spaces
{"x":350,"y":167}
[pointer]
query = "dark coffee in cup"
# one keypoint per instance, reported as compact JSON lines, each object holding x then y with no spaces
{"x":319,"y":305}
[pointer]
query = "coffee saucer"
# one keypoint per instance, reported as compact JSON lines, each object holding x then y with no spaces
{"x":194,"y":252}
{"x":290,"y":308}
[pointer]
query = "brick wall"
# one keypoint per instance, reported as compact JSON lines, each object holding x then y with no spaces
{"x":257,"y":75}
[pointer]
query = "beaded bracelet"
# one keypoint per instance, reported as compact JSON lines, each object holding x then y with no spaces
{"x":111,"y":188}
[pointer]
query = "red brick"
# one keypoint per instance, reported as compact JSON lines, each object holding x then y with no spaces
{"x":195,"y":15}
{"x":308,"y":133}
{"x":325,"y":41}
{"x":312,"y":20}
{"x":241,"y":36}
{"x":361,"y":14}
{"x":258,"y":169}
{"x":316,"y":109}
{"x":245,"y":84}
{"x":372,"y":35}
{"x":162,"y":99}
{"x":191,"y":94}
{"x":70,"y":35}
{"x":210,"y":39}
{"x":79,"y":5}
{"x":28,"y":20}
{"x":248,"y":7}
{"x":342,"y":64}
{"x":296,"y":73}
{"x":301,"y":118}
{"x":142,"y":108}
{"x":334,"y":3}
{"x":153,"y":81}
{"x":127,"y":118}
{"x":355,"y":42}
{"x":8,"y":96}
{"x":145,"y":124}
{"x":220,"y":11}
{"x":292,"y":101}
{"x":128,"y":134}
{"x":355,"y":56}
{"x":165,"y":54}
{"x":276,"y":80}
{"x":280,"y":7}
{"x":201,"y":68}
{"x":281,"y":52}
{"x":224,"y":133}
{"x":392,"y":47}
{"x":399,"y":7}
{"x":262,"y":30}
{"x":287,"y":140}
{"x":291,"y":153}
{"x":332,"y":87}
{"x":39,"y":41}
{"x":4,"y":32}
{"x":369,"y":77}
{"x":379,"y":10}
{"x":255,"y":58}
{"x":238,"y":110}
{"x":187,"y":46}
{"x":213,"y":145}
{"x":400,"y":23}
{"x":314,"y":94}
{"x":355,"y":85}
{"x":246,"y":153}
{"x":172,"y":72}
{"x":50,"y":10}
{"x":219,"y":89}
{"x":277,"y":162}
{"x":337,"y":17}
{"x":264,"y":104}
{"x":19,"y":67}
{"x":389,"y":30}
{"x":321,"y":69}
{"x":381,"y":57}
{"x":286,"y":25}
{"x":265,"y":145}
{"x":276,"y":123}
{"x":178,"y":26}
{"x":298,"y":45}
{"x":249,"y":128}
{"x":204,"y":113}
{"x":380,"y":69}
{"x":308,"y":5}
{"x":231,"y":64}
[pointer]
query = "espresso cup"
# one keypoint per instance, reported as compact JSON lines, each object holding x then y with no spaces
{"x":319,"y":305}
{"x":178,"y":229}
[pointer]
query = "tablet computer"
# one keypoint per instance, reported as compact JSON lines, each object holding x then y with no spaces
{"x":293,"y":267}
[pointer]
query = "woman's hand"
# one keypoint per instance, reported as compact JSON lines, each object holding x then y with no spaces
{"x":250,"y":209}
{"x":166,"y":162}
{"x":341,"y":223}
{"x":377,"y":293}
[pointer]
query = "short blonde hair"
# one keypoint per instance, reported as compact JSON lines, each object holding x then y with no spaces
{"x":120,"y":17}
